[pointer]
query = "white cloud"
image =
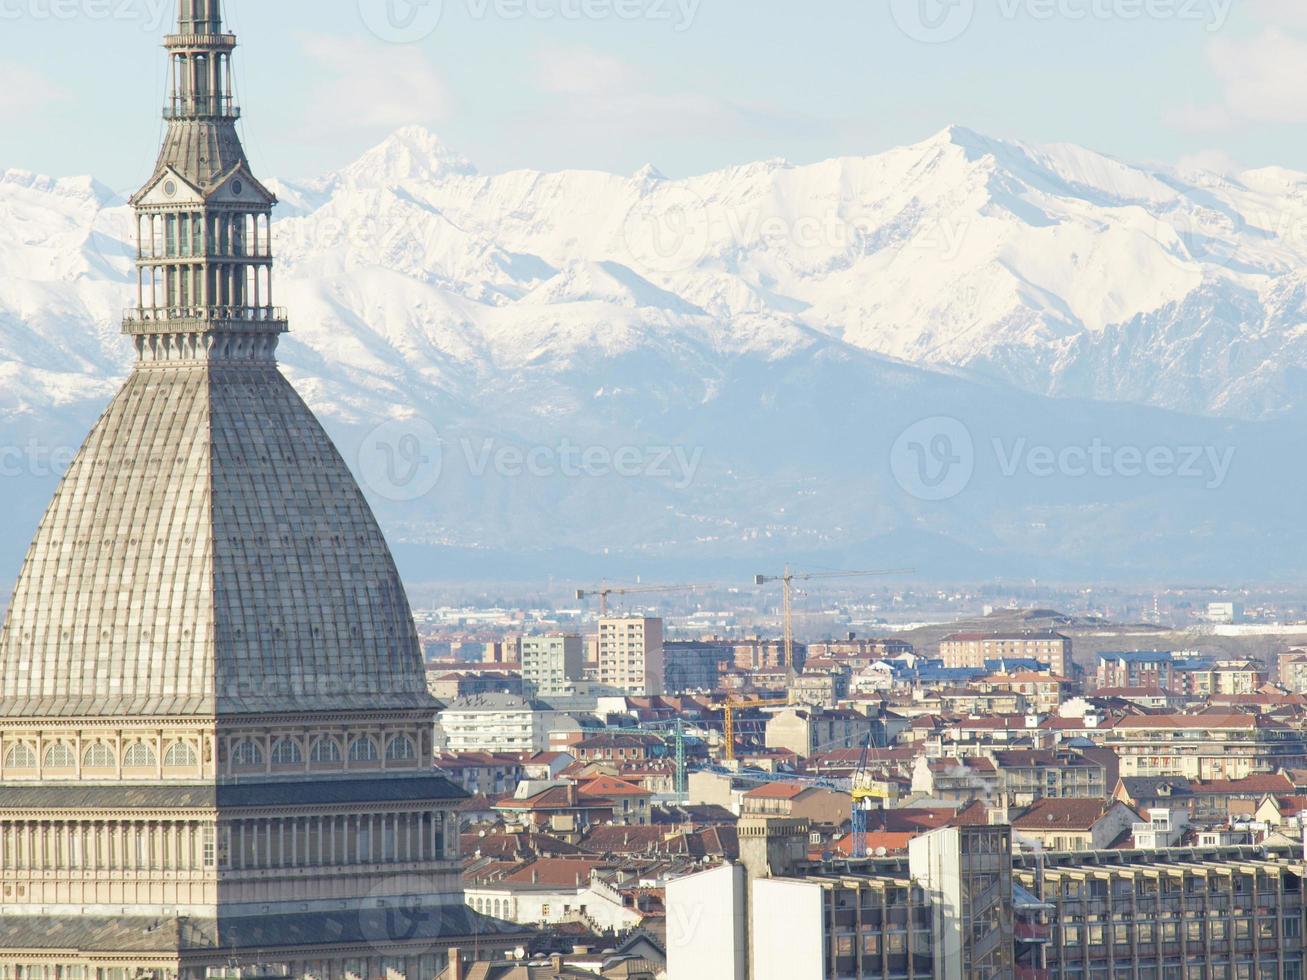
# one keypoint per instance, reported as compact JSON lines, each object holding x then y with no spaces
{"x":372,"y":86}
{"x":24,"y":91}
{"x":595,"y":88}
{"x":1281,"y":12}
{"x":583,"y":72}
{"x":1262,"y":78}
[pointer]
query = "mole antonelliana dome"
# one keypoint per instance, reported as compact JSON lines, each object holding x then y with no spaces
{"x":208,"y":551}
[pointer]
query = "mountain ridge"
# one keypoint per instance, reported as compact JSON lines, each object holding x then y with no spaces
{"x":789,"y":322}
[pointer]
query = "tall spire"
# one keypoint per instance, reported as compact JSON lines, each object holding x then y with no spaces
{"x":204,"y":221}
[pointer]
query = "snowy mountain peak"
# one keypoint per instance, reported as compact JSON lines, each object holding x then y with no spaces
{"x":83,"y":188}
{"x":413,"y":153}
{"x":649,"y":174}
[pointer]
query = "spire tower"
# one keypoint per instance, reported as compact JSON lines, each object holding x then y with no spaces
{"x":204,"y":222}
{"x":215,"y":730}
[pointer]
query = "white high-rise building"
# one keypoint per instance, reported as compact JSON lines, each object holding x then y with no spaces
{"x":552,"y":666}
{"x":631,"y":656}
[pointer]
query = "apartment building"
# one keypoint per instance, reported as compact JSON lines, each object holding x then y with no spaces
{"x":553,"y":665}
{"x":1144,"y":669}
{"x":1227,"y":677}
{"x":495,"y":723}
{"x":973,"y":649}
{"x":695,"y":665}
{"x":807,"y":731}
{"x":632,"y":654}
{"x":1026,"y":776}
{"x":1043,"y":692}
{"x":1207,"y":746}
{"x":763,"y":654}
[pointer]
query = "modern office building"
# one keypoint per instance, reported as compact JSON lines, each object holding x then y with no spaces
{"x":963,"y":905}
{"x":945,"y":912}
{"x":631,"y":655}
{"x":215,"y":731}
{"x":1197,"y":914}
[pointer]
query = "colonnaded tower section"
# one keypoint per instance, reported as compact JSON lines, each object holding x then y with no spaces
{"x":215,"y":731}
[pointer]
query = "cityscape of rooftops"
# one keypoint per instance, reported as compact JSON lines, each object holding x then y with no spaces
{"x":653,"y":490}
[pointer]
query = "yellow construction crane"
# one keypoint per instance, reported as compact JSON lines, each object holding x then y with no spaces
{"x":728,"y":729}
{"x":788,"y":580}
{"x":604,"y":591}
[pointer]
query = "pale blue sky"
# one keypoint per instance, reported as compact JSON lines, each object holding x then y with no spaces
{"x":689,"y":85}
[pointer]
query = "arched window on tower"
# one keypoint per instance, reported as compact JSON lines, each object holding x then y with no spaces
{"x":401,"y":749}
{"x":325,"y":752}
{"x":98,"y":756}
{"x":364,"y":750}
{"x":20,"y":757}
{"x":139,"y":756}
{"x":247,"y":755}
{"x":286,"y":752}
{"x":60,"y":756}
{"x":180,"y":756}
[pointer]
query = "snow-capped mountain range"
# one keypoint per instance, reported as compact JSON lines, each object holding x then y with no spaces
{"x":753,"y":344}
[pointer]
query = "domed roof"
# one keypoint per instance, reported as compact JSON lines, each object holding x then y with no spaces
{"x":208,"y":552}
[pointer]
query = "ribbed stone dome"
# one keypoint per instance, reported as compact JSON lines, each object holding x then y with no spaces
{"x":208,"y":552}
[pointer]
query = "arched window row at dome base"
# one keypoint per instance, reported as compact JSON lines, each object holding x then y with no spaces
{"x":313,"y":750}
{"x":106,"y":755}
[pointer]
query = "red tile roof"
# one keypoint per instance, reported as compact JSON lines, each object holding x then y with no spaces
{"x":777,"y":791}
{"x":608,"y":786}
{"x":554,"y":872}
{"x":1256,"y":785}
{"x":1211,"y":719}
{"x":1065,"y":814}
